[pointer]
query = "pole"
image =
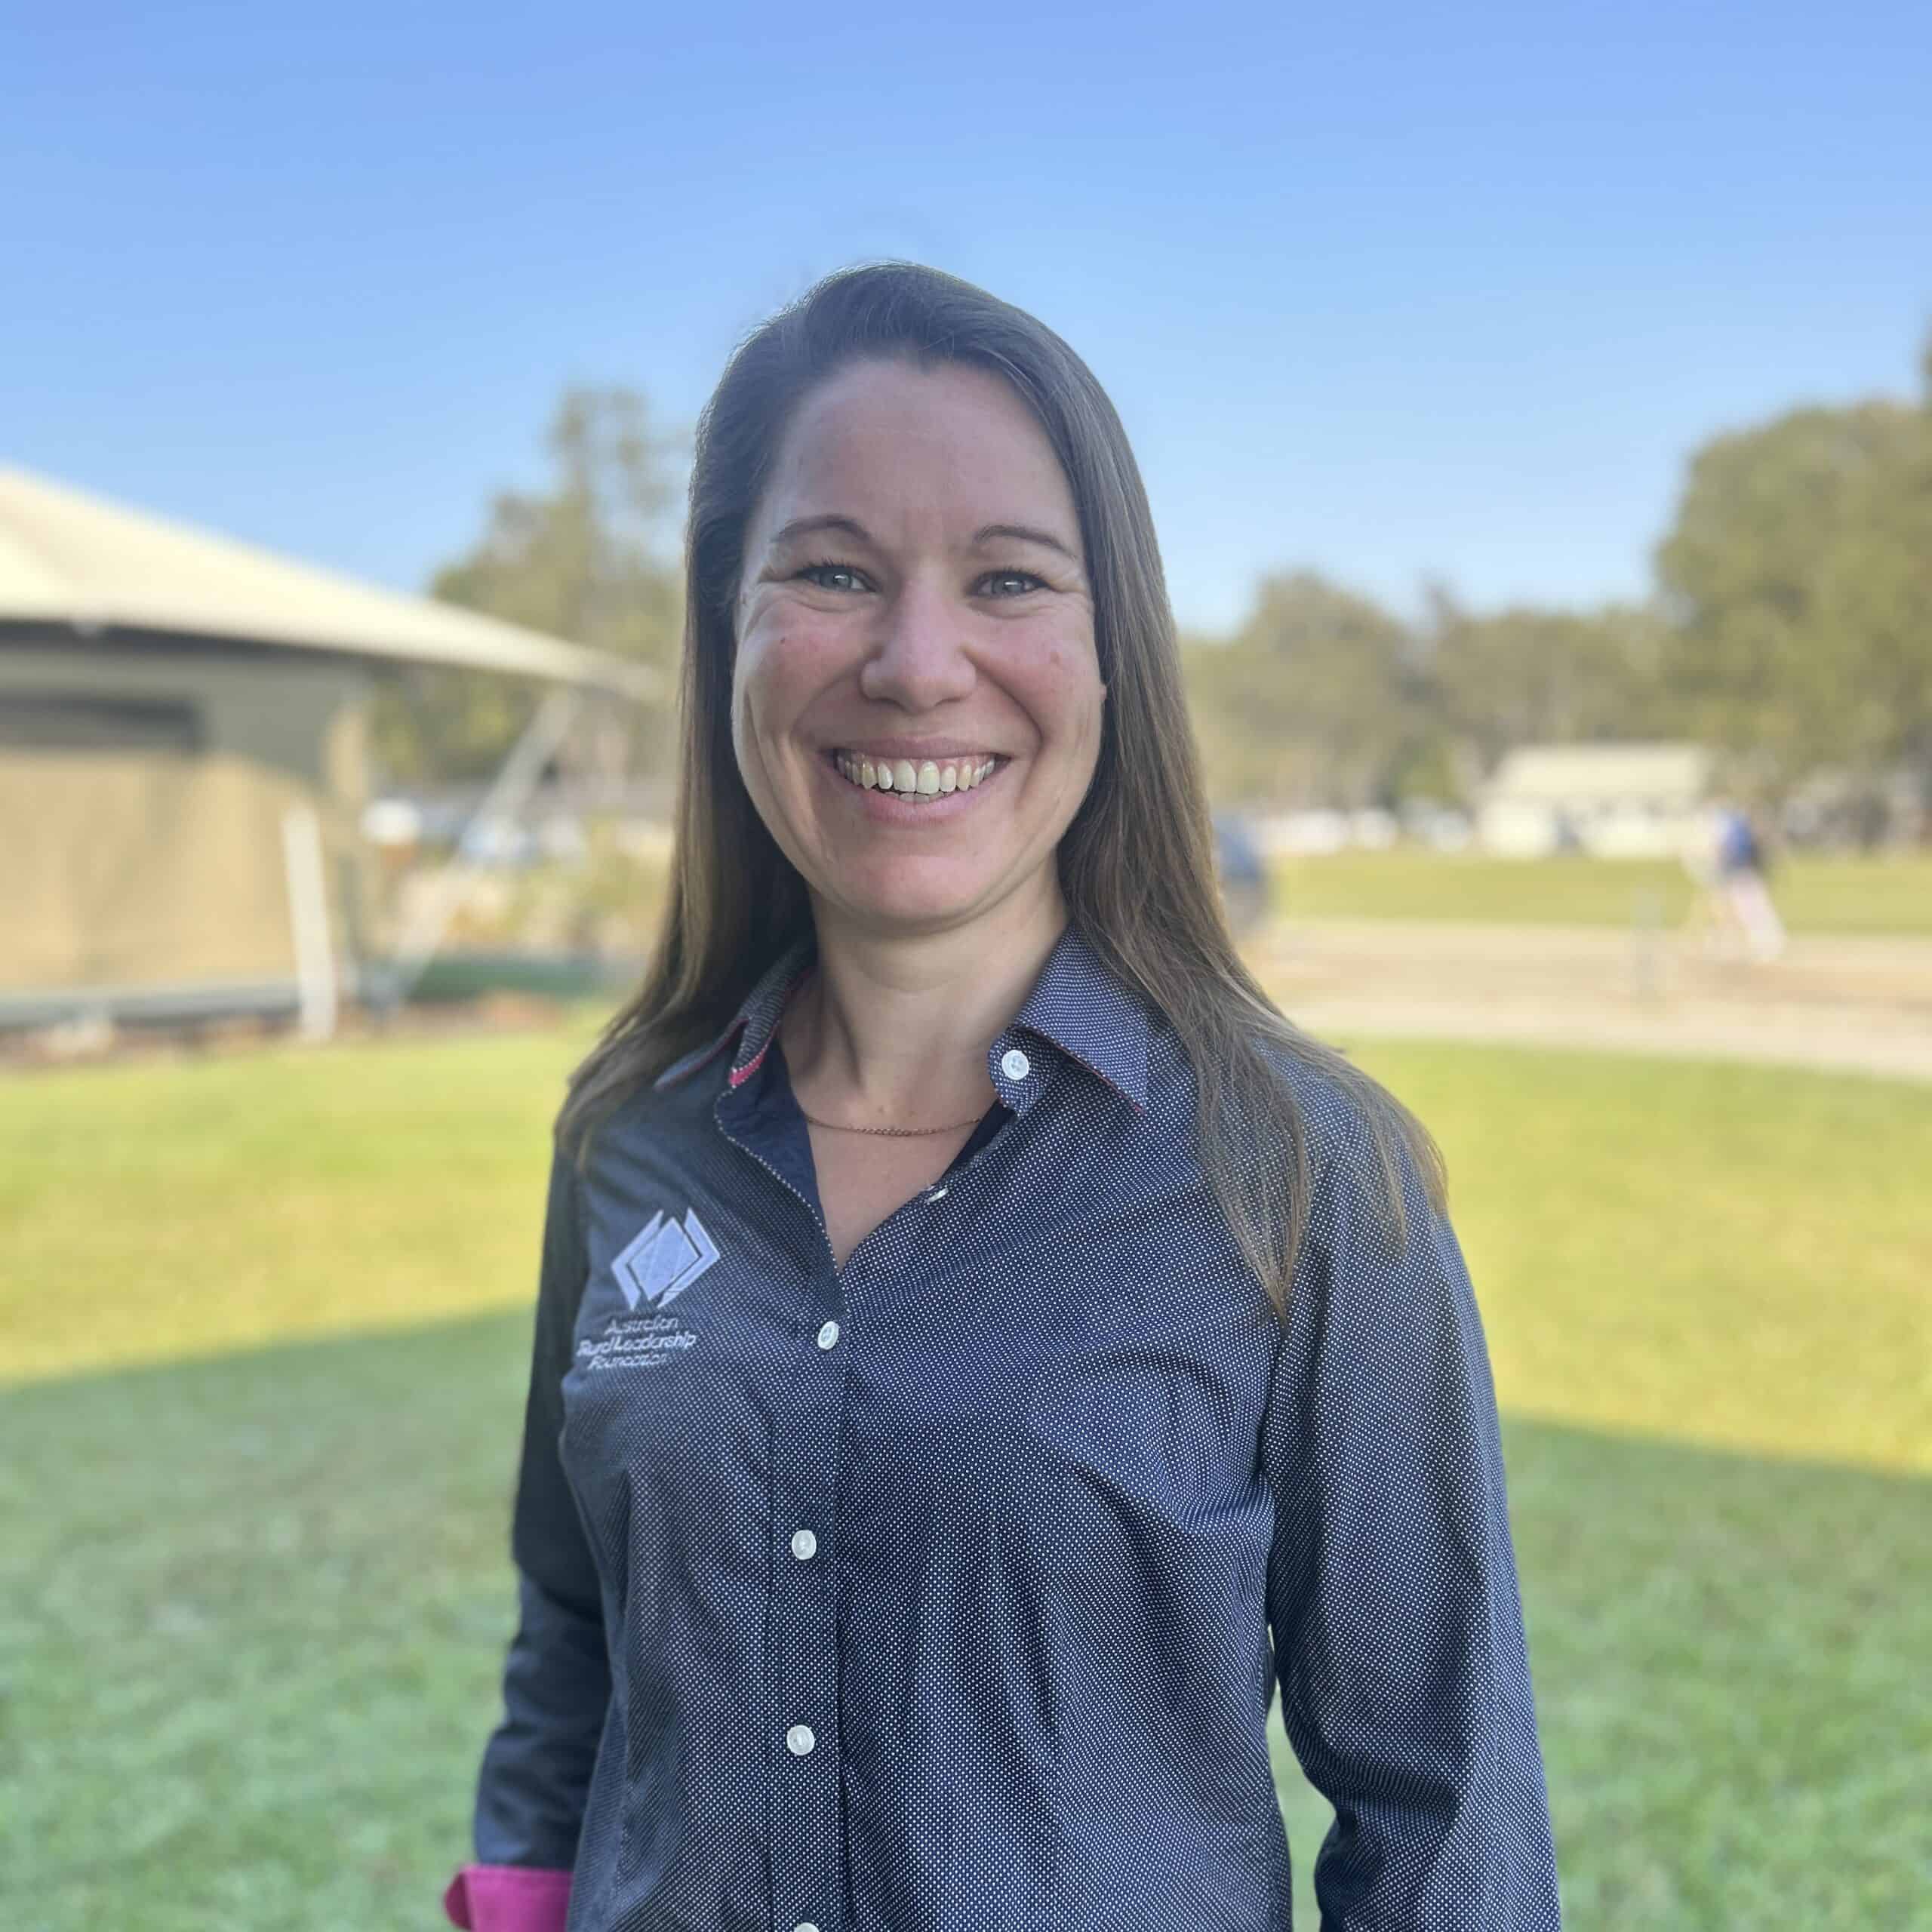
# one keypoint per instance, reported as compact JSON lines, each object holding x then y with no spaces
{"x":1646,"y":962}
{"x":515,"y":779}
{"x":304,"y":866}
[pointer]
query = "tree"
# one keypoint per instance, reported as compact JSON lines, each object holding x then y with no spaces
{"x":582,"y":561}
{"x":1317,"y":699}
{"x":1799,"y":573}
{"x":1526,"y":675}
{"x":1324,"y":697}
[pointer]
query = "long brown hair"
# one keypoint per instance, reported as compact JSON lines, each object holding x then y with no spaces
{"x":1137,"y":863}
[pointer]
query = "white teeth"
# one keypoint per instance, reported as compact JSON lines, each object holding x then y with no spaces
{"x":927,"y":780}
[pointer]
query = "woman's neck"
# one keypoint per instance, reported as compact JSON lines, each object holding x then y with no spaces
{"x":893,"y":1030}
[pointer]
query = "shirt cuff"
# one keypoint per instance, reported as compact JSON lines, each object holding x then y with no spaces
{"x":508,"y":1898}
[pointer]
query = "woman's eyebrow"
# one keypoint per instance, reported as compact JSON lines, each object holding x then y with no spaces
{"x":991,"y":532}
{"x":804,"y":526}
{"x":1021,"y":532}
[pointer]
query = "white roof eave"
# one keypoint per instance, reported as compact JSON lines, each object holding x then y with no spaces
{"x":70,"y":559}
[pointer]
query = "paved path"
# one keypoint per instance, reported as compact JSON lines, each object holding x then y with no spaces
{"x":1859,"y":1005}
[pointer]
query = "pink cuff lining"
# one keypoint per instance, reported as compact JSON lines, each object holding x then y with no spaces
{"x":508,"y":1898}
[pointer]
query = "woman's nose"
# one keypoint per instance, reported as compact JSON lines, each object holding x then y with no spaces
{"x":920,"y":660}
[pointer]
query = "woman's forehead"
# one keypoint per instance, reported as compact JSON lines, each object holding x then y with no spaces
{"x":879,"y":441}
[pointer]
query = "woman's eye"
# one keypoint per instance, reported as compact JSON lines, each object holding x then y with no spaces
{"x":827,"y":576}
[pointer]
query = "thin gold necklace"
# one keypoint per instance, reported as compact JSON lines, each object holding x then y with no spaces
{"x":901,"y":1132}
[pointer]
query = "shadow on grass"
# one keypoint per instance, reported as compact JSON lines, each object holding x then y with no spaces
{"x":252,"y":1611}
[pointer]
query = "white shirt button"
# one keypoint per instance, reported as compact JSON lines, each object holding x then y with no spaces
{"x":1014,"y":1064}
{"x":804,"y":1925}
{"x":804,"y":1545}
{"x":799,"y":1739}
{"x":828,"y":1335}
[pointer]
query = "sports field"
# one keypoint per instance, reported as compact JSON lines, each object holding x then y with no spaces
{"x":1886,"y":893}
{"x":265,"y":1319}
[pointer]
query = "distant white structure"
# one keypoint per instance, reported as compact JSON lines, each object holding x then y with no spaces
{"x":1318,"y":832}
{"x":1614,"y":801}
{"x":1300,"y":835}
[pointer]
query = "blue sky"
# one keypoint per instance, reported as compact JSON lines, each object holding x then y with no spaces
{"x":1388,"y":291}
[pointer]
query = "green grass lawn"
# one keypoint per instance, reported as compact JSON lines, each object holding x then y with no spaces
{"x":255,"y":1198}
{"x":252,"y":1607}
{"x":1891,"y":894}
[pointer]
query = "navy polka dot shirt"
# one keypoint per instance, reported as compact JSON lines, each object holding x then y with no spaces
{"x":950,"y":1590}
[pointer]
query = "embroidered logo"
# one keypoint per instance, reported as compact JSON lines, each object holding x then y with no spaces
{"x":664,"y":1259}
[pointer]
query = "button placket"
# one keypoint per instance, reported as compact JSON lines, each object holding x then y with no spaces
{"x":807,"y":1857}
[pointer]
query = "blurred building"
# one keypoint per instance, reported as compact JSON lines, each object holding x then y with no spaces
{"x":181,"y":767}
{"x":1318,"y":832}
{"x":1615,"y":801}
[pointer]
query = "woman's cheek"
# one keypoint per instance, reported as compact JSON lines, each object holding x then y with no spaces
{"x":795,"y":656}
{"x":1062,"y":676}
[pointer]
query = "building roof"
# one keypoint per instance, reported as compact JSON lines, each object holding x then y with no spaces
{"x":1553,"y":773}
{"x":70,"y":559}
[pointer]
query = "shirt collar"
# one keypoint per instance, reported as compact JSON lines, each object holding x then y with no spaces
{"x":1077,"y":1007}
{"x":754,"y":1024}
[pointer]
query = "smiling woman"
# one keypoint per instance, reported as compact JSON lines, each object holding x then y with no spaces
{"x":939,"y":646}
{"x":984,"y":1350}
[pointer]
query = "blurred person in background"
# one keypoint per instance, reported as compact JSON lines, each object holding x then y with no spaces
{"x":1743,"y":870}
{"x":1242,"y":873}
{"x":1727,"y":858}
{"x":983,"y":1350}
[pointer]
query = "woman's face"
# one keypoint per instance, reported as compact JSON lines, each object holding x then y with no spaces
{"x":914,"y":607}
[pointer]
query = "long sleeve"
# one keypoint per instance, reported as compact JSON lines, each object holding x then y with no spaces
{"x":536,"y":1766}
{"x":1392,"y":1592}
